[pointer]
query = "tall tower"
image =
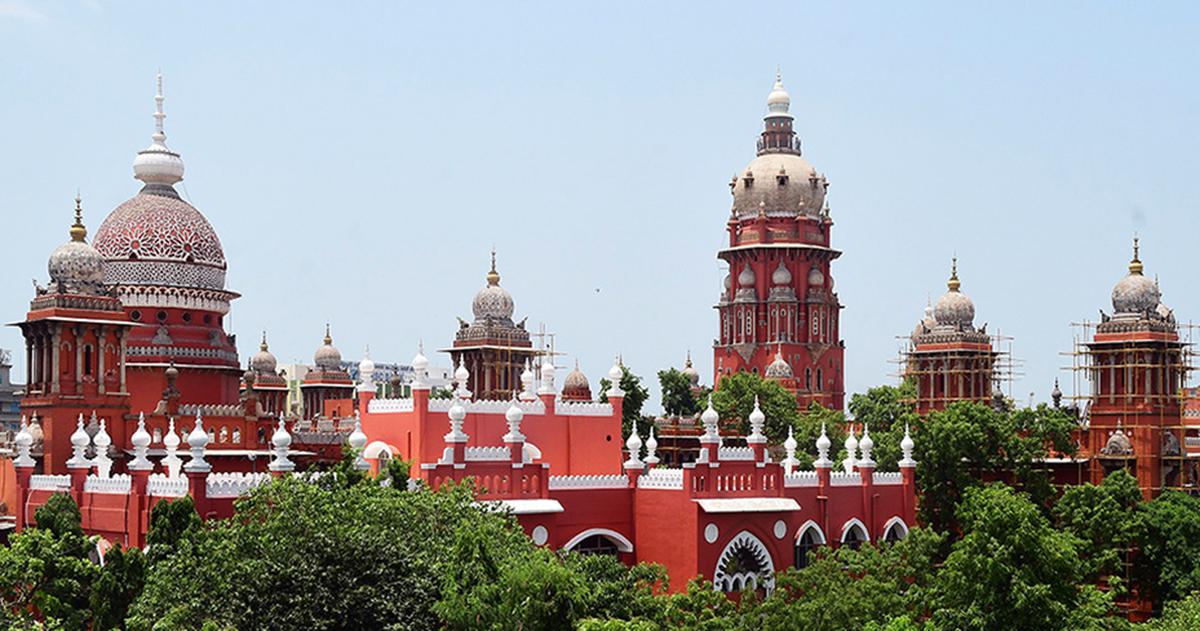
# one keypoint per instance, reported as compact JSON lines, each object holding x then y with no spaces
{"x":165,"y":264}
{"x":950,"y":359}
{"x":1137,"y":368}
{"x":778,"y":296}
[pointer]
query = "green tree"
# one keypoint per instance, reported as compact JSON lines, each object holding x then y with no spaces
{"x":677,"y":398}
{"x":1013,"y":569}
{"x":1167,"y":530}
{"x":1103,"y":517}
{"x":734,"y":400}
{"x":170,"y":522}
{"x":631,"y":408}
{"x":808,"y":428}
{"x":967,"y":442}
{"x":1178,"y":615}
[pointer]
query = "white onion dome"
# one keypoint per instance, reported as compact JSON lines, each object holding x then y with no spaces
{"x":1136,"y":293}
{"x":80,"y":436}
{"x":815,"y":278}
{"x":851,"y":443}
{"x":75,"y":266}
{"x":926,"y":323}
{"x":954,"y":307}
{"x":140,"y":438}
{"x":615,"y":373}
{"x":327,"y":356}
{"x":527,"y":377}
{"x":746,"y":277}
{"x":171,"y":439}
{"x":493,"y":301}
{"x":263,"y":361}
{"x":23,"y":439}
{"x":823,"y":442}
{"x":781,"y":275}
{"x":419,"y":361}
{"x":157,"y":164}
{"x":778,"y":101}
{"x":35,"y":431}
{"x":281,"y":439}
{"x":576,"y":385}
{"x":867,"y":443}
{"x":689,"y":371}
{"x":198,"y":438}
{"x":461,"y":374}
{"x":779,"y":369}
{"x":366,"y":367}
{"x":906,"y":443}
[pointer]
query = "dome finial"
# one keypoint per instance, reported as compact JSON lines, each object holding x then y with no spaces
{"x":328,"y":338}
{"x":1135,"y":265}
{"x":953,"y":284}
{"x":263,"y":346}
{"x":493,"y":277}
{"x":157,"y":164}
{"x":159,"y":135}
{"x":78,"y":230}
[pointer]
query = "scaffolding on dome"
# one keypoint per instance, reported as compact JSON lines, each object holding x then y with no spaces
{"x":995,"y":366}
{"x":1157,"y":398}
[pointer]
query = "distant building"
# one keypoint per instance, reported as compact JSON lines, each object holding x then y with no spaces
{"x":10,"y":395}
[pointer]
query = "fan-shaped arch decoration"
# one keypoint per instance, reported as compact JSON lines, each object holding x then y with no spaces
{"x":745,"y":562}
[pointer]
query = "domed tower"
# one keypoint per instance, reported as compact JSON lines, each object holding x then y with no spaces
{"x":164,"y":261}
{"x":949,"y":358}
{"x":327,"y":381}
{"x":575,"y":386}
{"x":778,"y":294}
{"x":1136,"y":367}
{"x":493,"y":348}
{"x":75,"y":336}
{"x":270,"y":388}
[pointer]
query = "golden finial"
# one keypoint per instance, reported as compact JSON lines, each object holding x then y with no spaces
{"x":493,"y":277}
{"x":953,"y":283}
{"x":78,"y":231}
{"x":688,"y":363}
{"x":1135,"y":266}
{"x":263,"y":346}
{"x":328,"y":339}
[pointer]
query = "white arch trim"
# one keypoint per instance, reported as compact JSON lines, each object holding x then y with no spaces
{"x":378,"y":448}
{"x":623,"y":544}
{"x":728,"y":583}
{"x":854,"y":521}
{"x":895,"y":521}
{"x":812,"y":525}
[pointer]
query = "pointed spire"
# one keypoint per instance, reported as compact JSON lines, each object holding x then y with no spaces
{"x":823,"y":444}
{"x":953,"y":284}
{"x":493,"y":277}
{"x":906,"y":449}
{"x":263,"y":346}
{"x":159,"y":115}
{"x":651,"y":448}
{"x":1135,"y":265}
{"x":328,"y":338}
{"x":78,"y":230}
{"x":157,"y":164}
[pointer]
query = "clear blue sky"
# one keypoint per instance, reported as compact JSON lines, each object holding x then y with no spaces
{"x":360,"y":159}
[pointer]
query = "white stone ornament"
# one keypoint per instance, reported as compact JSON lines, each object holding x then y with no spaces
{"x":171,"y":460}
{"x":710,"y":418}
{"x":851,"y":446}
{"x":651,"y":448}
{"x":23,"y":441}
{"x":457,"y":414}
{"x":634,"y":445}
{"x":197,"y":440}
{"x":101,"y":441}
{"x":420,"y":365}
{"x":79,"y":445}
{"x":823,"y":444}
{"x":513,"y":416}
{"x":282,"y":441}
{"x":789,"y":446}
{"x":614,"y":376}
{"x":366,"y":372}
{"x":527,"y":383}
{"x":358,"y":441}
{"x":757,"y":419}
{"x":141,"y":443}
{"x":547,"y":382}
{"x":906,"y":449}
{"x":866,"y":445}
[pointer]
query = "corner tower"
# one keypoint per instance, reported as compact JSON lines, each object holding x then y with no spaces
{"x":778,"y":296}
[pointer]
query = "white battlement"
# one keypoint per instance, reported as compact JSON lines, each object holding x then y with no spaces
{"x":841,"y":478}
{"x":662,"y":479}
{"x":190,"y":409}
{"x":233,"y":484}
{"x":800,"y":478}
{"x":583,"y":408}
{"x":378,"y":406}
{"x":887,"y":477}
{"x":487,"y":454}
{"x":564,"y":482}
{"x":736,"y":453}
{"x":161,"y":485}
{"x":50,"y":482}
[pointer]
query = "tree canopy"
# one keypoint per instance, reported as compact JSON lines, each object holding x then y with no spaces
{"x":631,"y":408}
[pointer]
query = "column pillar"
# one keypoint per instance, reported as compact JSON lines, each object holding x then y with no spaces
{"x":55,"y":369}
{"x":100,"y":359}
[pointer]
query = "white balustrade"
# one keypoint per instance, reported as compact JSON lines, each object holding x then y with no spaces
{"x":583,"y":408}
{"x":233,"y":484}
{"x":116,"y":485}
{"x":887,"y":477}
{"x":565,"y":482}
{"x":841,"y":478}
{"x":800,"y":478}
{"x":377,"y":406}
{"x":50,"y":482}
{"x":161,"y":485}
{"x":662,"y":479}
{"x":486,"y":454}
{"x":737,"y":453}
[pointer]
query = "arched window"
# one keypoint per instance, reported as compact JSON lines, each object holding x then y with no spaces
{"x":599,"y":541}
{"x":745,"y":561}
{"x":596,"y":544}
{"x":820,"y":380}
{"x":854,"y":534}
{"x":895,"y":530}
{"x":806,"y":544}
{"x":87,"y":360}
